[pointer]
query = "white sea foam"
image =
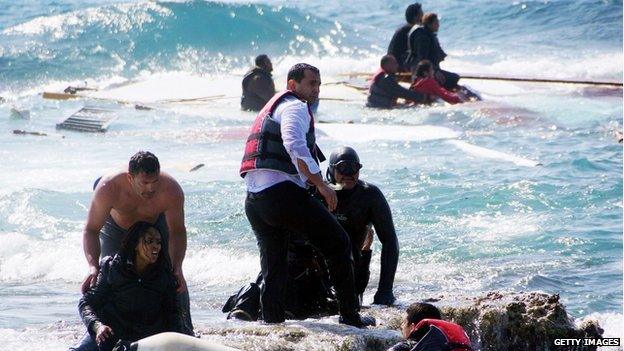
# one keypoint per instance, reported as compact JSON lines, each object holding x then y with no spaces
{"x":612,"y":323}
{"x":23,"y":258}
{"x":586,"y":66}
{"x":118,"y":17}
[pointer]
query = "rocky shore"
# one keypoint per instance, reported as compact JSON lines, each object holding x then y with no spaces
{"x":495,"y":321}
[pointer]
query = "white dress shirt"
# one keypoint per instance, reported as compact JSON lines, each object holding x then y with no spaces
{"x":294,"y":119}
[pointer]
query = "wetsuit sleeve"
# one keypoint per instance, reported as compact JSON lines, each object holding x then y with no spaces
{"x":294,"y":126}
{"x":263,"y":86}
{"x":384,"y":227}
{"x":94,"y":299}
{"x":396,"y":90}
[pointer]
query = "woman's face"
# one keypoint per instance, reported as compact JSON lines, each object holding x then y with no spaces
{"x":148,"y":247}
{"x":406,"y":327}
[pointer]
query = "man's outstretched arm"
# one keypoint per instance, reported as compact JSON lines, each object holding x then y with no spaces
{"x":99,"y":210}
{"x":177,"y":235}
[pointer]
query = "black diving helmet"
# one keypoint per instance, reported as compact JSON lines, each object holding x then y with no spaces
{"x":345,"y":161}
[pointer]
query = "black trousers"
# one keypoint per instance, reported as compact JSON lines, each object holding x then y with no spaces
{"x":287,"y":208}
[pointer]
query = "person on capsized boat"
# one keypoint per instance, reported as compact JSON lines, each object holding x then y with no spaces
{"x":135,"y":293}
{"x":280,"y":162}
{"x":426,"y":84}
{"x":258,"y":85}
{"x":398,"y":43}
{"x":384,"y":90}
{"x":424,"y":330}
{"x":424,"y":45}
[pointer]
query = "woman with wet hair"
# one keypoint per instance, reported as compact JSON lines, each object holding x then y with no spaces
{"x":135,"y":293}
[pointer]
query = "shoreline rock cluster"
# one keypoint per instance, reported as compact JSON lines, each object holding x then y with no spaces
{"x":495,"y":321}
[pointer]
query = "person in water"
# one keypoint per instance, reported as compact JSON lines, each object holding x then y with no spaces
{"x":258,"y":86}
{"x":424,"y":45}
{"x":424,"y":329}
{"x":385,"y":90}
{"x":142,"y":193}
{"x":309,"y":288}
{"x":360,"y":206}
{"x":135,"y":293}
{"x":398,"y":43}
{"x":280,"y":161}
{"x":426,"y":84}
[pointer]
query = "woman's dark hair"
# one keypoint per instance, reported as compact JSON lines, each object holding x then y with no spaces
{"x":418,"y":311}
{"x":423,"y":68}
{"x":429,"y":19}
{"x":132,"y":239}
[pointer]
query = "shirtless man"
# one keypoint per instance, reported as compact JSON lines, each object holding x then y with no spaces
{"x":142,"y":193}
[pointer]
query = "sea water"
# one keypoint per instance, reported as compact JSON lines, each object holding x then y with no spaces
{"x":467,"y":223}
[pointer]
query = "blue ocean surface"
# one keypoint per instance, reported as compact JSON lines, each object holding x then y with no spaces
{"x":468,"y":222}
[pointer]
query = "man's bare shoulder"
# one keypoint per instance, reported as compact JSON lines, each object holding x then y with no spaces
{"x":171,"y":188}
{"x":111,"y":184}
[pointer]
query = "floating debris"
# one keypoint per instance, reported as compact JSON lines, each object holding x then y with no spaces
{"x":89,"y":119}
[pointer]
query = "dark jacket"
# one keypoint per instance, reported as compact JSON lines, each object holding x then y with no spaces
{"x":424,"y":45}
{"x":398,"y":45}
{"x":133,"y":306}
{"x":385,"y":90}
{"x":258,"y":89}
{"x":357,"y":209}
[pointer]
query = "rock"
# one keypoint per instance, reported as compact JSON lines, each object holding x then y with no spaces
{"x":496,"y":321}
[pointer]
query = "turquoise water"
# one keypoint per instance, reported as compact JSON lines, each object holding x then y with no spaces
{"x":467,"y":224}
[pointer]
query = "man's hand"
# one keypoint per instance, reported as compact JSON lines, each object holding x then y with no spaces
{"x":177,"y":273}
{"x":368,"y":240}
{"x":103,"y":332}
{"x":386,"y":298}
{"x":90,"y":280}
{"x":329,"y":195}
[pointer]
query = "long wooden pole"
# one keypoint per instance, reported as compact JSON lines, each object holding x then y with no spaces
{"x":404,"y":76}
{"x":543,"y":80}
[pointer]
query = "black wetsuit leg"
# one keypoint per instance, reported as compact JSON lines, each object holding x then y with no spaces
{"x":362,"y":272}
{"x":111,"y":237}
{"x":285,"y":208}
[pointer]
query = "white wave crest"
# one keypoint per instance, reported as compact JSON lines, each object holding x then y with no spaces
{"x":119,"y":17}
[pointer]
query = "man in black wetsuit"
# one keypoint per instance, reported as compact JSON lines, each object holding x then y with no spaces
{"x":360,"y":205}
{"x":424,"y":45}
{"x":258,"y":85}
{"x":385,"y":90}
{"x":398,"y":43}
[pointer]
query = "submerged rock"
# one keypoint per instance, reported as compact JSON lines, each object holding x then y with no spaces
{"x":496,"y":321}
